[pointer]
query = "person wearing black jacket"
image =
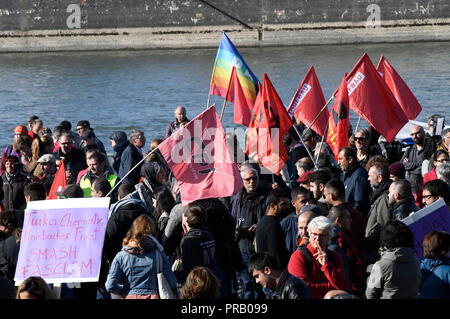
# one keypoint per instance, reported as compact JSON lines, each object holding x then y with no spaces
{"x":198,"y":247}
{"x":269,"y":235}
{"x":131,"y":156}
{"x":280,"y":283}
{"x":119,"y":142}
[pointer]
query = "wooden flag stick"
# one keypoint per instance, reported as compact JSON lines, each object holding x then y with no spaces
{"x":143,"y":159}
{"x":306,"y":146}
{"x":314,"y":121}
{"x":321,"y":143}
{"x":223,"y":108}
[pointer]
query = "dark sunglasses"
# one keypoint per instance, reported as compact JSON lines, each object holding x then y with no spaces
{"x":360,"y":138}
{"x":46,"y":131}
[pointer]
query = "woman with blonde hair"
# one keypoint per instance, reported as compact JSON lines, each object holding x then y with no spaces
{"x":201,"y":283}
{"x":133,"y":272}
{"x":41,"y":145}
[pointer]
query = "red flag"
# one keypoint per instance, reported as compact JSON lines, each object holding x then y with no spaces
{"x":370,"y":97}
{"x":398,"y":87}
{"x":235,"y":94}
{"x":308,"y":101}
{"x":272,"y":122}
{"x":200,"y":159}
{"x":337,"y":135}
{"x":251,"y":147}
{"x":59,"y":182}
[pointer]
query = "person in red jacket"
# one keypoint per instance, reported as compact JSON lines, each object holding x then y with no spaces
{"x":321,"y":269}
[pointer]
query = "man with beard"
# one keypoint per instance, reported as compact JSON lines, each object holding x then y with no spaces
{"x":248,"y":207}
{"x":379,"y":213}
{"x":401,"y":200}
{"x":269,"y":235}
{"x":413,"y":157}
{"x":317,"y":181}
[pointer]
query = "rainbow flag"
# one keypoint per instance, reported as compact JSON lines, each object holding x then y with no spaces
{"x":227,"y":57}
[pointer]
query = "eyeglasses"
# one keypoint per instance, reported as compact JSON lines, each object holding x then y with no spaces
{"x":46,"y":131}
{"x":318,"y":235}
{"x":252,"y":178}
{"x":360,"y":138}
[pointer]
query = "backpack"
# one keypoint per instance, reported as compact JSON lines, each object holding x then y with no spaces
{"x":309,"y":257}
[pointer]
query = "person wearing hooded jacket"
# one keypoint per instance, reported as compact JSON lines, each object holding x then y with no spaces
{"x":133,"y":272}
{"x":119,"y":142}
{"x":435,"y":266}
{"x":397,"y":274}
{"x":153,"y":175}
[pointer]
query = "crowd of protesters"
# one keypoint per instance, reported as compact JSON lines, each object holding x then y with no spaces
{"x":328,"y":227}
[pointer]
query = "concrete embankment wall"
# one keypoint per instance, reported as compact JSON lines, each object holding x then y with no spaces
{"x":52,"y":25}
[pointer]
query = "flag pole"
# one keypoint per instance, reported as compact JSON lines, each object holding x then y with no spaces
{"x":143,"y":159}
{"x":306,"y":147}
{"x":357,"y":124}
{"x":323,"y":108}
{"x":223,"y":108}
{"x":321,"y":143}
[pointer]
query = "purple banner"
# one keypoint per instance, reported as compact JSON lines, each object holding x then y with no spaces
{"x":62,"y":240}
{"x":433,"y":217}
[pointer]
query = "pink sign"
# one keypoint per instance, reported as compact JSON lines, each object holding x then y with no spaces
{"x":62,"y":240}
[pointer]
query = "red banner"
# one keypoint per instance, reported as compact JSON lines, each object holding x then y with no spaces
{"x":200,"y":160}
{"x":235,"y":94}
{"x":337,"y":135}
{"x":59,"y":182}
{"x":308,"y":101}
{"x":399,"y":88}
{"x":370,"y":97}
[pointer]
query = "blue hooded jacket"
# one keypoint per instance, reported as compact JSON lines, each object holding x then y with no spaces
{"x":435,"y":279}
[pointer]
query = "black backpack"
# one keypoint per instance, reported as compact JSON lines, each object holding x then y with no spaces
{"x":309,"y":257}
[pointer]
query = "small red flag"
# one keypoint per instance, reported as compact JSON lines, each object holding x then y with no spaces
{"x":308,"y":101}
{"x":200,"y":160}
{"x":235,"y":94}
{"x":59,"y":182}
{"x":270,"y":122}
{"x":370,"y":97}
{"x":337,"y":135}
{"x":399,"y":88}
{"x":251,"y":147}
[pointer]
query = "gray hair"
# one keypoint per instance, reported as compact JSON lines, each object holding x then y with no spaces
{"x":321,"y":223}
{"x":249,"y":169}
{"x":443,"y":172}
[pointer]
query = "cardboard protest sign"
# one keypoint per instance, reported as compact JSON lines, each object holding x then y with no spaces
{"x":62,"y":240}
{"x":433,"y":217}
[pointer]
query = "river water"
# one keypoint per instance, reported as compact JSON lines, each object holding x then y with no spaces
{"x":122,"y":90}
